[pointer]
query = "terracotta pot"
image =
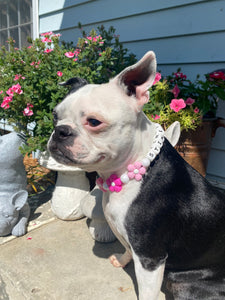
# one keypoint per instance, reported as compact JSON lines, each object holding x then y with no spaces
{"x":194,"y":146}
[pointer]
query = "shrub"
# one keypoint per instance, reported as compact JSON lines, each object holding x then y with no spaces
{"x":29,"y":77}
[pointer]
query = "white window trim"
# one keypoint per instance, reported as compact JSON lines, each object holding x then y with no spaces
{"x":35,"y":18}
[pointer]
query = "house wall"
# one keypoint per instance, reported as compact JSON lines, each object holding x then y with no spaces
{"x":188,"y":33}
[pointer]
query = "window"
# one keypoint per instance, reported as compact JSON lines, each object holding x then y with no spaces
{"x":16,"y":21}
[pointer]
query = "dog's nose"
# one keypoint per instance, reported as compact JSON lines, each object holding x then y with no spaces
{"x":62,"y":132}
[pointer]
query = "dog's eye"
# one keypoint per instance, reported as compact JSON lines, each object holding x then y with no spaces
{"x":55,"y":118}
{"x":94,"y":122}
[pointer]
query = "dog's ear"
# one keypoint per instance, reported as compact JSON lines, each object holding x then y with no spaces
{"x":138,"y":78}
{"x":173,"y":133}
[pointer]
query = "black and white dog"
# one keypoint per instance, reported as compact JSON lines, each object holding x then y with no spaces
{"x":169,"y":218}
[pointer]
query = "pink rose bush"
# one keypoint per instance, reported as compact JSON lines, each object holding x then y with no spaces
{"x":29,"y":77}
{"x":175,"y":98}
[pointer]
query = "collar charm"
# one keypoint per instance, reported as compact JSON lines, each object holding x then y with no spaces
{"x":134,"y":171}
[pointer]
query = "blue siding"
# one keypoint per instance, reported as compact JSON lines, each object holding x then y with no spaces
{"x":192,"y":32}
{"x":187,"y":33}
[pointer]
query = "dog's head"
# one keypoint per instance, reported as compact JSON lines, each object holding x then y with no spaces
{"x":95,"y":125}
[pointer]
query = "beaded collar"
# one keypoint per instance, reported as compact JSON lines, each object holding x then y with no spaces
{"x":134,"y":171}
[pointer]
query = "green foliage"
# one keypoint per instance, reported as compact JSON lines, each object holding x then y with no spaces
{"x":29,"y":77}
{"x":196,"y":100}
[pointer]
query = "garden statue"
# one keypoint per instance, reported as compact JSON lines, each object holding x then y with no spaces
{"x":70,"y":188}
{"x":14,"y":209}
{"x":72,"y":199}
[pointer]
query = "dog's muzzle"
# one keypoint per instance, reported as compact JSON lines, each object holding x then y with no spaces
{"x":62,"y":137}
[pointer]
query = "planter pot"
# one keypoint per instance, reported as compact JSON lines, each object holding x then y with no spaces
{"x":194,"y":146}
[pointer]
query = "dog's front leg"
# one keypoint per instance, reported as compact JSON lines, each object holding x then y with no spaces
{"x":118,"y":259}
{"x":149,"y":281}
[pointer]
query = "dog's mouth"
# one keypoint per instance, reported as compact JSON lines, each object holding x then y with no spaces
{"x":66,"y":157}
{"x":61,"y":155}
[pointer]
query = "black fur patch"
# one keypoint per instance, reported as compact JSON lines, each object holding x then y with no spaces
{"x":76,"y":83}
{"x":179,"y":215}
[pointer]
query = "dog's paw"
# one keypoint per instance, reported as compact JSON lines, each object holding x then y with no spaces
{"x":115,"y":260}
{"x":120,"y":260}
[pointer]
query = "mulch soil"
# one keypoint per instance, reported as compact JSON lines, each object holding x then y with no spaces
{"x":38,"y":177}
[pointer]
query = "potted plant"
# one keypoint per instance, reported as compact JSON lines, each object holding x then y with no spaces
{"x":194,"y":105}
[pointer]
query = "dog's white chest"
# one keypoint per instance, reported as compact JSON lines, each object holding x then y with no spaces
{"x":116,"y":205}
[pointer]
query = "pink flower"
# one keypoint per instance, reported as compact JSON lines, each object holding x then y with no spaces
{"x":56,"y":35}
{"x":1,"y":92}
{"x":59,"y":73}
{"x":136,"y":171}
{"x":190,"y":101}
{"x":114,"y":183}
{"x":15,"y":89}
{"x":18,"y":76}
{"x":33,"y":63}
{"x":196,"y":110}
{"x":29,"y":47}
{"x":217,"y":75}
{"x":176,"y":91}
{"x":157,"y":78}
{"x":95,"y":39}
{"x":177,"y":104}
{"x":27,"y":111}
{"x":9,"y":92}
{"x":47,"y":33}
{"x":69,"y":54}
{"x":156,"y":117}
{"x":5,"y":102}
{"x":48,"y":50}
{"x":47,"y":40}
{"x":75,"y":59}
{"x":77,"y":52}
{"x":180,"y":75}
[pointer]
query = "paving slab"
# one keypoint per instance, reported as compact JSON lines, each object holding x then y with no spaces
{"x":58,"y":260}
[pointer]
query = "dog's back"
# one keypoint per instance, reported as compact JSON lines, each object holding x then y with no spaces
{"x":179,"y":217}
